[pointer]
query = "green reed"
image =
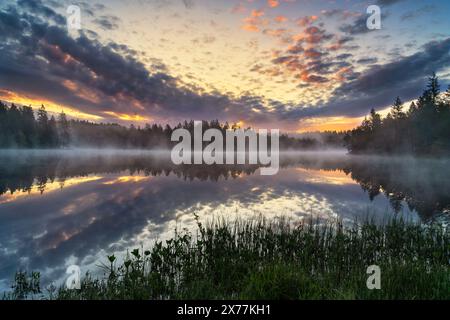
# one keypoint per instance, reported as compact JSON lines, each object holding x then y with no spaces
{"x":260,"y":259}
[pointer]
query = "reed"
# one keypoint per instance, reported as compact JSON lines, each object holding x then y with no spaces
{"x":260,"y":259}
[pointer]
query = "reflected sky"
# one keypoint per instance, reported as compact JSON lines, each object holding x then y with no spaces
{"x":61,"y":210}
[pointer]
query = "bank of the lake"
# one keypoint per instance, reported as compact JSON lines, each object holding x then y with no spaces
{"x":274,"y":260}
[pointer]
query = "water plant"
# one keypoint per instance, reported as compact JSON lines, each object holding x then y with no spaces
{"x":261,"y":259}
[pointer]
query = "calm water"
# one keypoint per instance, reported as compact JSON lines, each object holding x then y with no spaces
{"x":75,"y":207}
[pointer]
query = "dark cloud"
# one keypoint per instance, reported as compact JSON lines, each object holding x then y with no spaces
{"x":189,"y":4}
{"x":107,"y":22}
{"x":367,"y":60}
{"x":388,"y":2}
{"x":434,"y":56}
{"x":358,"y":26}
{"x":38,"y":8}
{"x":326,"y":67}
{"x":46,"y":56}
{"x":344,"y":56}
{"x":38,"y":57}
{"x":317,"y":79}
{"x":331,"y":12}
{"x":296,"y":49}
{"x":380,"y":84}
{"x":416,"y":13}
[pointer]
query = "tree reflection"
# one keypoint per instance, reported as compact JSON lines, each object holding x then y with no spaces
{"x":423,"y":185}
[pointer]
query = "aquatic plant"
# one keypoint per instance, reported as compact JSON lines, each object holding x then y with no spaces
{"x":261,"y":259}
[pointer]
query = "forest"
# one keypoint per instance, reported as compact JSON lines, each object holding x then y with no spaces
{"x":423,"y":129}
{"x":21,"y":128}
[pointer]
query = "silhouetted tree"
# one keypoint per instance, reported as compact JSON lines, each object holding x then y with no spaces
{"x":423,"y":129}
{"x":63,"y":130}
{"x":19,"y":128}
{"x":53,"y":140}
{"x":433,"y":88}
{"x":397,"y":110}
{"x":43,"y":128}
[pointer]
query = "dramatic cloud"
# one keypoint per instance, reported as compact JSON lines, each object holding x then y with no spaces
{"x":98,"y":79}
{"x":296,"y":61}
{"x":367,"y":61}
{"x":380,"y":84}
{"x":359,"y":26}
{"x":107,"y":22}
{"x":306,"y":21}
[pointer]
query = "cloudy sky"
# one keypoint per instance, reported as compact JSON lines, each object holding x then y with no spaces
{"x":297,"y":65}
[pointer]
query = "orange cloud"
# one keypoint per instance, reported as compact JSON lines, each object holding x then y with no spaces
{"x":306,"y":77}
{"x":257,"y":13}
{"x":312,"y":53}
{"x":311,"y":35}
{"x":281,"y":19}
{"x":254,"y":21}
{"x":127,"y":117}
{"x":49,"y":187}
{"x":239,"y":8}
{"x":273,"y":3}
{"x":343,"y":73}
{"x":36,"y":102}
{"x":275,"y":32}
{"x":328,"y":124}
{"x":81,"y":92}
{"x":250,"y":27}
{"x":334,"y":46}
{"x":306,"y":21}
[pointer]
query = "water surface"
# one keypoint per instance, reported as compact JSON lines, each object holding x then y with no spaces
{"x":59,"y":208}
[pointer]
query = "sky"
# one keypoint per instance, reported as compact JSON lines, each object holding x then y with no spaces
{"x":294,"y":65}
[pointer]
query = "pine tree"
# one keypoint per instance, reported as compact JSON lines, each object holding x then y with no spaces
{"x":42,"y":116}
{"x":3,"y":125}
{"x":52,"y":133}
{"x":433,"y":88}
{"x":63,"y":130}
{"x":16,"y":126}
{"x":412,"y":109}
{"x":43,"y":129}
{"x":397,"y":109}
{"x":375,"y":120}
{"x":28,"y":126}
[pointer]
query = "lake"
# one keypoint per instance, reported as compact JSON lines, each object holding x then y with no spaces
{"x":59,"y":208}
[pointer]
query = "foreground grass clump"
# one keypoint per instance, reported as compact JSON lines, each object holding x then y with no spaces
{"x":275,"y":260}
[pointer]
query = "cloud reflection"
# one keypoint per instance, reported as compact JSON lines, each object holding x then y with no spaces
{"x":96,"y":204}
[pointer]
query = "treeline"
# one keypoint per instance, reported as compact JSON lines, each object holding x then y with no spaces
{"x":423,"y":129}
{"x":20,"y":127}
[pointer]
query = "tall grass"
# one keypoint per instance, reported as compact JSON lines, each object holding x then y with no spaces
{"x":278,"y":260}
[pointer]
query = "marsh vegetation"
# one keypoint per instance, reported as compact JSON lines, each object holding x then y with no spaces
{"x":261,"y":259}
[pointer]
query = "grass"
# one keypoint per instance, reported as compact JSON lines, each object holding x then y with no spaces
{"x":274,"y":260}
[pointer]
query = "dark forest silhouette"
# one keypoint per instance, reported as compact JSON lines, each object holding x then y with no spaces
{"x":21,"y":128}
{"x":424,"y":129}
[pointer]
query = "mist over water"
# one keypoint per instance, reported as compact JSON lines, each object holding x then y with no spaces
{"x":65,"y":207}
